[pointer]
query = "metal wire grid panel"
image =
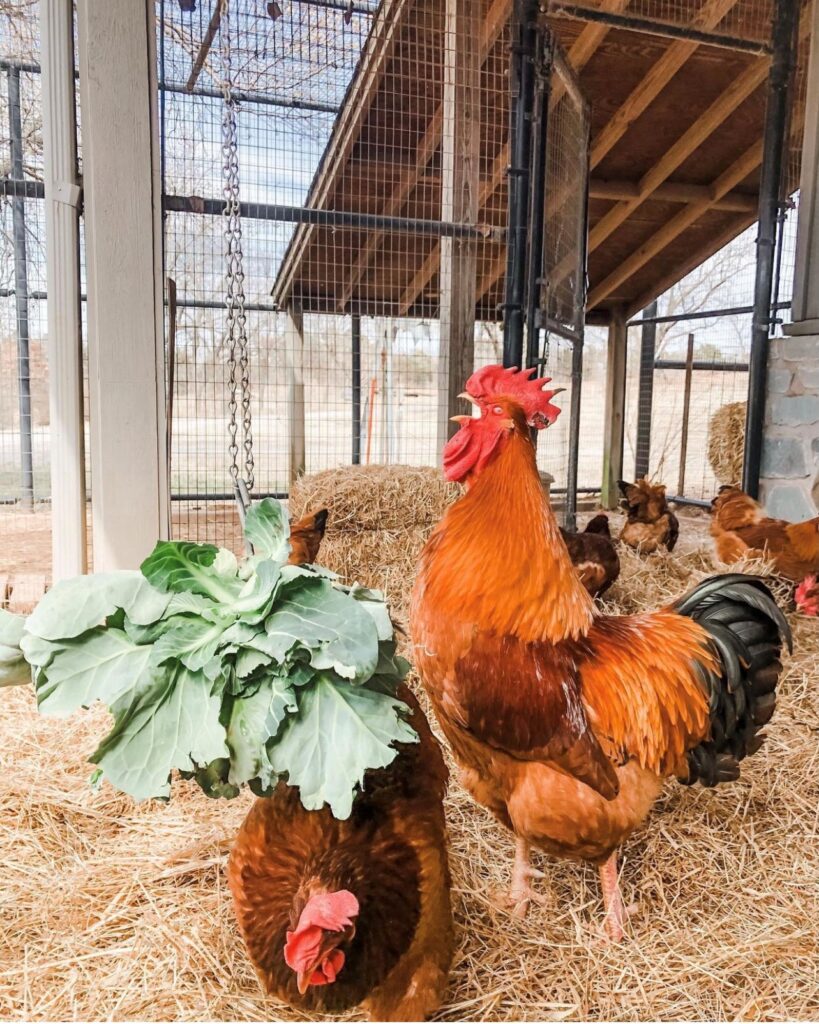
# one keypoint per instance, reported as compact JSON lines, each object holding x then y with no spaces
{"x":746,"y":21}
{"x":343,"y":177}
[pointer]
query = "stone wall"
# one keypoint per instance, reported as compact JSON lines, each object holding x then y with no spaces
{"x":790,"y":454}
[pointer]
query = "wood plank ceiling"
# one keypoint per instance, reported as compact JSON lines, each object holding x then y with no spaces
{"x":676,"y":146}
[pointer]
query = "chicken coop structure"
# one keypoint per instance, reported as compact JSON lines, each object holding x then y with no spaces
{"x":263,"y":239}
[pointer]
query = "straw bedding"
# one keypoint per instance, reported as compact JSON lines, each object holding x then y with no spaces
{"x":110,"y":910}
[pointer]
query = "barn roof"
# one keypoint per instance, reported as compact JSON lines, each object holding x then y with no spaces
{"x":676,"y":147}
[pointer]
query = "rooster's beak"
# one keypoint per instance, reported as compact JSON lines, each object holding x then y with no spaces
{"x":468,"y":398}
{"x":303,"y":980}
{"x":460,"y":419}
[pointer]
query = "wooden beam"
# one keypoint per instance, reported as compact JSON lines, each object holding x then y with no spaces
{"x":736,"y":227}
{"x":123,"y":235}
{"x":615,"y":410}
{"x":69,"y":556}
{"x":655,"y":81}
{"x":580,"y":53}
{"x":730,"y":178}
{"x":386,"y":28}
{"x":705,"y":125}
{"x":672,"y":192}
{"x":490,"y":30}
{"x":460,"y":202}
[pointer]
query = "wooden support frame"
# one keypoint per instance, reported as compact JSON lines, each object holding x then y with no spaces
{"x":117,"y":65}
{"x":581,"y":52}
{"x":673,"y":192}
{"x":69,"y":556}
{"x":386,"y":29}
{"x":615,"y":413}
{"x":488,"y":33}
{"x":460,"y":164}
{"x":729,"y":179}
{"x":656,"y":80}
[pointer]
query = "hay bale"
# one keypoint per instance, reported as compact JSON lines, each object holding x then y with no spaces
{"x":380,"y":518}
{"x":726,"y":442}
{"x":375,"y":497}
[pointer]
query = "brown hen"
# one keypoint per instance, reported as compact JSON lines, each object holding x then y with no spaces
{"x":593,"y":555}
{"x":740,"y":527}
{"x":306,"y":536}
{"x":340,"y":913}
{"x":650,"y":523}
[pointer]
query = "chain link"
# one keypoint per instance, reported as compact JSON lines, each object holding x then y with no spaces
{"x":236,"y":317}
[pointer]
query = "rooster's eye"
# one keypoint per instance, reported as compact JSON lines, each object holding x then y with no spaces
{"x":497,"y":410}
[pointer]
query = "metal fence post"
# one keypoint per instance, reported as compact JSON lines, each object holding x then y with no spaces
{"x":18,"y":210}
{"x":645,"y":400}
{"x":356,"y":340}
{"x":570,"y":516}
{"x":686,"y":414}
{"x":776,"y":133}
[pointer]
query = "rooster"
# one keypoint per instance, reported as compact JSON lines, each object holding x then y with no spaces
{"x":594,"y":555}
{"x":340,"y":913}
{"x":650,"y":523}
{"x":740,"y":527}
{"x":566,"y":721}
{"x":306,"y":536}
{"x":806,"y":596}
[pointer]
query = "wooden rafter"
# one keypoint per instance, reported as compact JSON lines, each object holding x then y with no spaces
{"x":713,"y":245}
{"x":493,"y":25}
{"x":705,"y":125}
{"x":672,"y":192}
{"x":655,"y":81}
{"x":580,"y":53}
{"x":730,"y":178}
{"x":373,"y":64}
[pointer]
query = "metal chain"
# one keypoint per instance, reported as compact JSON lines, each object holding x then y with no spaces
{"x":236,"y":317}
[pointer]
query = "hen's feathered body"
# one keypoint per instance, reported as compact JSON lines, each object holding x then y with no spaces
{"x":391,"y":854}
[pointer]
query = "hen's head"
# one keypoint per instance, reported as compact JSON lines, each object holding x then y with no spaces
{"x":806,"y":596}
{"x":508,"y":401}
{"x":315,"y":947}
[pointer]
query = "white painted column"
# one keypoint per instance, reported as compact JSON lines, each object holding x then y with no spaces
{"x":789,"y":484}
{"x":123,"y":256}
{"x":805,"y":311}
{"x":62,"y":192}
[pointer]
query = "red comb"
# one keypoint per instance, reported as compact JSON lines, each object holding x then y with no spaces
{"x":493,"y":382}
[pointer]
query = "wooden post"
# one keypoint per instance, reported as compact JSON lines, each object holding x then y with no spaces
{"x":615,"y":410}
{"x":123,"y":258}
{"x":460,"y":193}
{"x":296,"y":449}
{"x":68,"y":520}
{"x":686,"y":414}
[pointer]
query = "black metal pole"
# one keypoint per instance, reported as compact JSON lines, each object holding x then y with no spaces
{"x":537,"y":206}
{"x":570,"y":516}
{"x":356,"y":338}
{"x":776,"y":133}
{"x":645,"y":399}
{"x":18,"y":210}
{"x":522,"y":82}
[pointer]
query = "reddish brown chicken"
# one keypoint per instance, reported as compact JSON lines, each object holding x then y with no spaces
{"x":740,"y":527}
{"x":306,"y":536}
{"x":650,"y":524}
{"x":341,"y":913}
{"x":565,"y":721}
{"x":593,"y":555}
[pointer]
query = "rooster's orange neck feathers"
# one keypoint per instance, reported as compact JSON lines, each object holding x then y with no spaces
{"x":497,"y":559}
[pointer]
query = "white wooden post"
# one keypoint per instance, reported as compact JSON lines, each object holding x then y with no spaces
{"x":62,"y":190}
{"x":614,"y":423}
{"x":805,"y":309}
{"x":296,"y":453}
{"x":460,"y":200}
{"x":123,"y":258}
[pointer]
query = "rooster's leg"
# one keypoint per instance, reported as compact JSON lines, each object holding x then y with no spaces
{"x":616,"y":911}
{"x":521,"y":893}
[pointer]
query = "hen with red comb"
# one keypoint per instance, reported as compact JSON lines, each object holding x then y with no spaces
{"x":493,"y":382}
